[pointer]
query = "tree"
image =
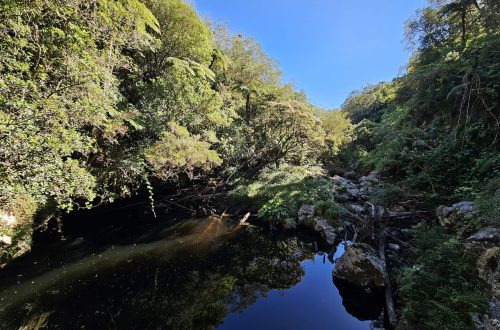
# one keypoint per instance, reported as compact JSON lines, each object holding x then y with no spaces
{"x":58,"y":92}
{"x":289,"y":131}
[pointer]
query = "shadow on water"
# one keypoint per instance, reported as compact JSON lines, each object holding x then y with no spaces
{"x":197,"y":274}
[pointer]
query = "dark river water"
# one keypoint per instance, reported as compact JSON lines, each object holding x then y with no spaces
{"x":197,"y":274}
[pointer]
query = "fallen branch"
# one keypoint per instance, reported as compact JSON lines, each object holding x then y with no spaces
{"x":244,"y":219}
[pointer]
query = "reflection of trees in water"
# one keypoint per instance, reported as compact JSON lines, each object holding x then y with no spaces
{"x":190,"y":291}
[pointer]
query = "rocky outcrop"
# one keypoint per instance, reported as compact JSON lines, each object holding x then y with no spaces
{"x":360,"y":266}
{"x":319,"y":225}
{"x":484,"y":246}
{"x":488,"y":236}
{"x":348,"y":191}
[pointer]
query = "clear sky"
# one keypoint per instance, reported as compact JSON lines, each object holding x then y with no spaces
{"x":326,"y":47}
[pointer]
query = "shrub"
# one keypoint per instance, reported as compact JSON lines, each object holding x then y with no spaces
{"x":488,"y":204}
{"x":442,"y":288}
{"x":293,"y":185}
{"x":330,"y":211}
{"x":274,"y":211}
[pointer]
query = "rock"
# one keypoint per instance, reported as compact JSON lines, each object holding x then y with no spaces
{"x":343,"y":182}
{"x":360,"y":266}
{"x":7,"y":219}
{"x":306,"y":217}
{"x":486,"y":235}
{"x":480,"y":241}
{"x":355,"y":192}
{"x":371,"y":179}
{"x":306,"y":214}
{"x":351,"y":175}
{"x":393,"y":247}
{"x":6,"y":240}
{"x":456,"y":217}
{"x":488,"y":267}
{"x":405,"y":234}
{"x":289,"y":224}
{"x":342,"y":198}
{"x":326,"y":231}
{"x":357,"y":208}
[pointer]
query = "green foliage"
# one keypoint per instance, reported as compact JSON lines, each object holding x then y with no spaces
{"x":274,"y":211}
{"x":436,"y":129}
{"x":442,"y":288}
{"x":370,"y":103}
{"x":182,"y":34}
{"x":386,"y":194}
{"x":330,"y":211}
{"x":96,"y":97}
{"x":488,"y":204}
{"x":58,"y":91}
{"x":289,"y":131}
{"x":339,"y":135}
{"x":288,"y":186}
{"x":177,"y":151}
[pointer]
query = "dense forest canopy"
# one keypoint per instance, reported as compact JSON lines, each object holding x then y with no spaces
{"x":99,"y":98}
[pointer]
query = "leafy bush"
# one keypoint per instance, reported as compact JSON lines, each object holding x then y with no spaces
{"x":442,"y":288}
{"x":274,"y":211}
{"x":488,"y":204}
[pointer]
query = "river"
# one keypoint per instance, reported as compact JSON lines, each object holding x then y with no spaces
{"x":195,"y":274}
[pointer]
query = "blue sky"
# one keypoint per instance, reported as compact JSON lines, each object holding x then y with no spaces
{"x":326,"y":47}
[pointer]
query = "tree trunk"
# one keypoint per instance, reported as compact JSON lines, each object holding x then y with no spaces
{"x":247,"y":107}
{"x":464,"y":30}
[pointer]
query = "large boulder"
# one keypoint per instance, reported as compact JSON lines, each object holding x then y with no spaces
{"x":488,"y":266}
{"x":360,"y":266}
{"x":306,"y":215}
{"x":484,"y":246}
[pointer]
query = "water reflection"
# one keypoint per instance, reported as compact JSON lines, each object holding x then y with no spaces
{"x":199,"y":274}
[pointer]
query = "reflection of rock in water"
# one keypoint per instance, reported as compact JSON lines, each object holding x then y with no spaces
{"x":361,"y":303}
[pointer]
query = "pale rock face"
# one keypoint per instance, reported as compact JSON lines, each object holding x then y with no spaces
{"x":7,"y":240}
{"x":306,"y":217}
{"x":306,"y":214}
{"x":360,"y":266}
{"x":7,"y":219}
